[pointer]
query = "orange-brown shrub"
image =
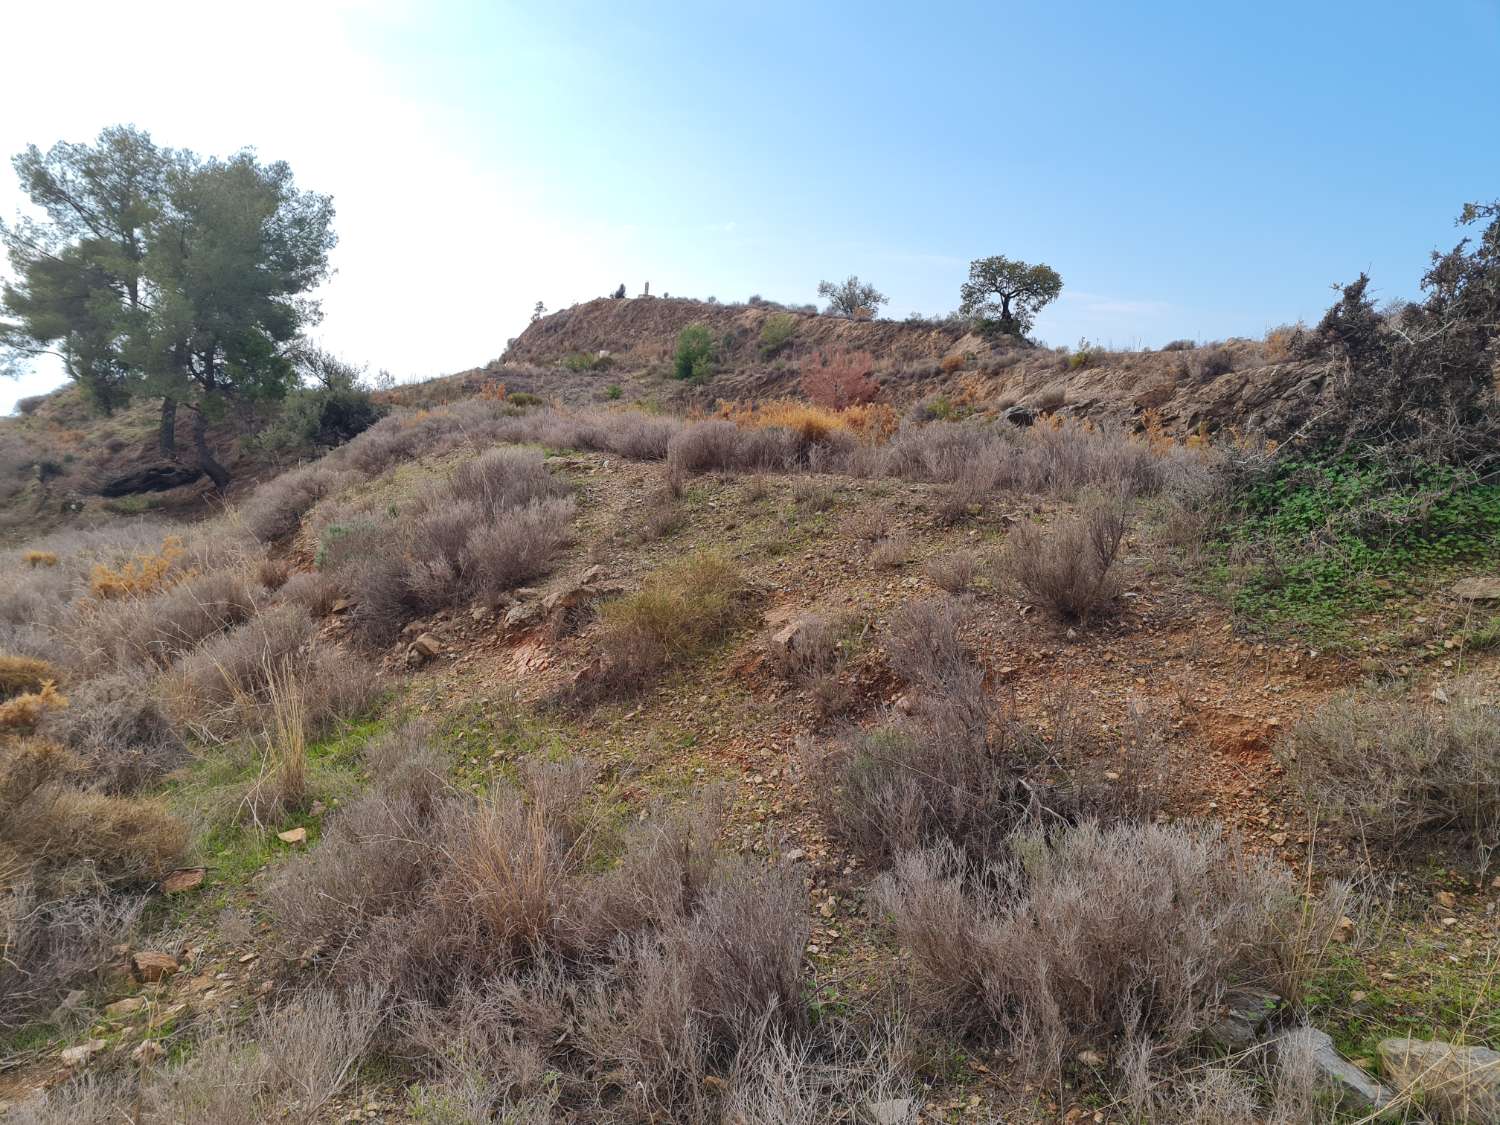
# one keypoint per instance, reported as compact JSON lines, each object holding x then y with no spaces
{"x":23,"y":674}
{"x":838,"y":379}
{"x":25,"y":711}
{"x":872,"y":422}
{"x":951,"y":363}
{"x":44,"y":817}
{"x":39,"y":558}
{"x":140,"y":575}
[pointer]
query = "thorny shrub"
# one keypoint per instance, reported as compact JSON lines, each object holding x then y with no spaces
{"x":1069,"y":566}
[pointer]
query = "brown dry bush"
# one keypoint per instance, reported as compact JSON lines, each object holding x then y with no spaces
{"x":116,"y":724}
{"x":1388,"y":772}
{"x":20,"y":675}
{"x":314,"y":590}
{"x":157,"y":628}
{"x":953,"y":768}
{"x":953,"y":572}
{"x":47,"y":819}
{"x":1068,"y":566}
{"x":286,"y":1063}
{"x":22,"y":713}
{"x":522,"y":950}
{"x":53,"y":941}
{"x":1089,"y":937}
{"x":890,"y":553}
{"x":679,"y":611}
{"x":223,"y":686}
{"x":275,"y":510}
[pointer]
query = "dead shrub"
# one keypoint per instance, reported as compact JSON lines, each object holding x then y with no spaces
{"x":1388,"y":771}
{"x":275,"y":509}
{"x":273,"y":573}
{"x":39,"y":558}
{"x":1069,"y":566}
{"x":1089,"y":937}
{"x":53,"y":824}
{"x":223,"y":687}
{"x":156,"y":628}
{"x":839,"y":379}
{"x":142,"y":574}
{"x":23,"y":712}
{"x":892,"y":552}
{"x":953,"y":572}
{"x":115,"y":724}
{"x":662,"y":516}
{"x":952,"y":767}
{"x":53,"y":942}
{"x":314,"y":590}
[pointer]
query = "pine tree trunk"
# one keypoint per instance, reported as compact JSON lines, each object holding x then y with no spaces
{"x":168,"y":435}
{"x":216,"y":472}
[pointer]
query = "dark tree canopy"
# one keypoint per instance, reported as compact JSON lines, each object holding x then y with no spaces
{"x":851,"y":297}
{"x":1419,"y":381}
{"x":80,"y":291}
{"x":1005,"y":295}
{"x":161,"y":273}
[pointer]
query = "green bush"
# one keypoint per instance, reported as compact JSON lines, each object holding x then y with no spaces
{"x":777,"y":333}
{"x":613,"y":392}
{"x":587,"y":361}
{"x":695,"y":354}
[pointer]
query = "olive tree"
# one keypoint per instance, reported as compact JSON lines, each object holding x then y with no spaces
{"x":1004,"y":296}
{"x":851,"y":297}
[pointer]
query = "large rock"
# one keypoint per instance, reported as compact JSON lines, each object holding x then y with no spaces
{"x":1457,"y":1083}
{"x":153,"y":478}
{"x":889,"y":1111}
{"x":149,"y":966}
{"x":1476,"y":588}
{"x":1335,"y":1074}
{"x":1243,"y":1016}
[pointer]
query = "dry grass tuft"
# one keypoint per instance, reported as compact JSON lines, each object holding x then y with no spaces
{"x":679,"y":611}
{"x":39,"y":558}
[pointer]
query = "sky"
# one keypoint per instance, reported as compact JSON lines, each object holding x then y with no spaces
{"x":1191,"y":170}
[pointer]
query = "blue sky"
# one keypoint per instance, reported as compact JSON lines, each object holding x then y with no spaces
{"x":1190,"y":170}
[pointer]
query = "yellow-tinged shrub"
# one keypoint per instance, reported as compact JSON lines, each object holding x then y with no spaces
{"x":873,"y":422}
{"x":140,"y":575}
{"x":22,"y":674}
{"x":24,"y":711}
{"x":39,"y":558}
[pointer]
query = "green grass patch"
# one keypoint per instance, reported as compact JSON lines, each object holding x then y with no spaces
{"x":1315,"y":541}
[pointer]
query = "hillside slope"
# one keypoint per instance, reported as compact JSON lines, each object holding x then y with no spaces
{"x":1244,"y":384}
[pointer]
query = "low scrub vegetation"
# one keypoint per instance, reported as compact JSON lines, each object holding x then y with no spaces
{"x":666,"y":961}
{"x":1069,"y":566}
{"x":1114,"y":940}
{"x":678,"y":612}
{"x":1389,"y":773}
